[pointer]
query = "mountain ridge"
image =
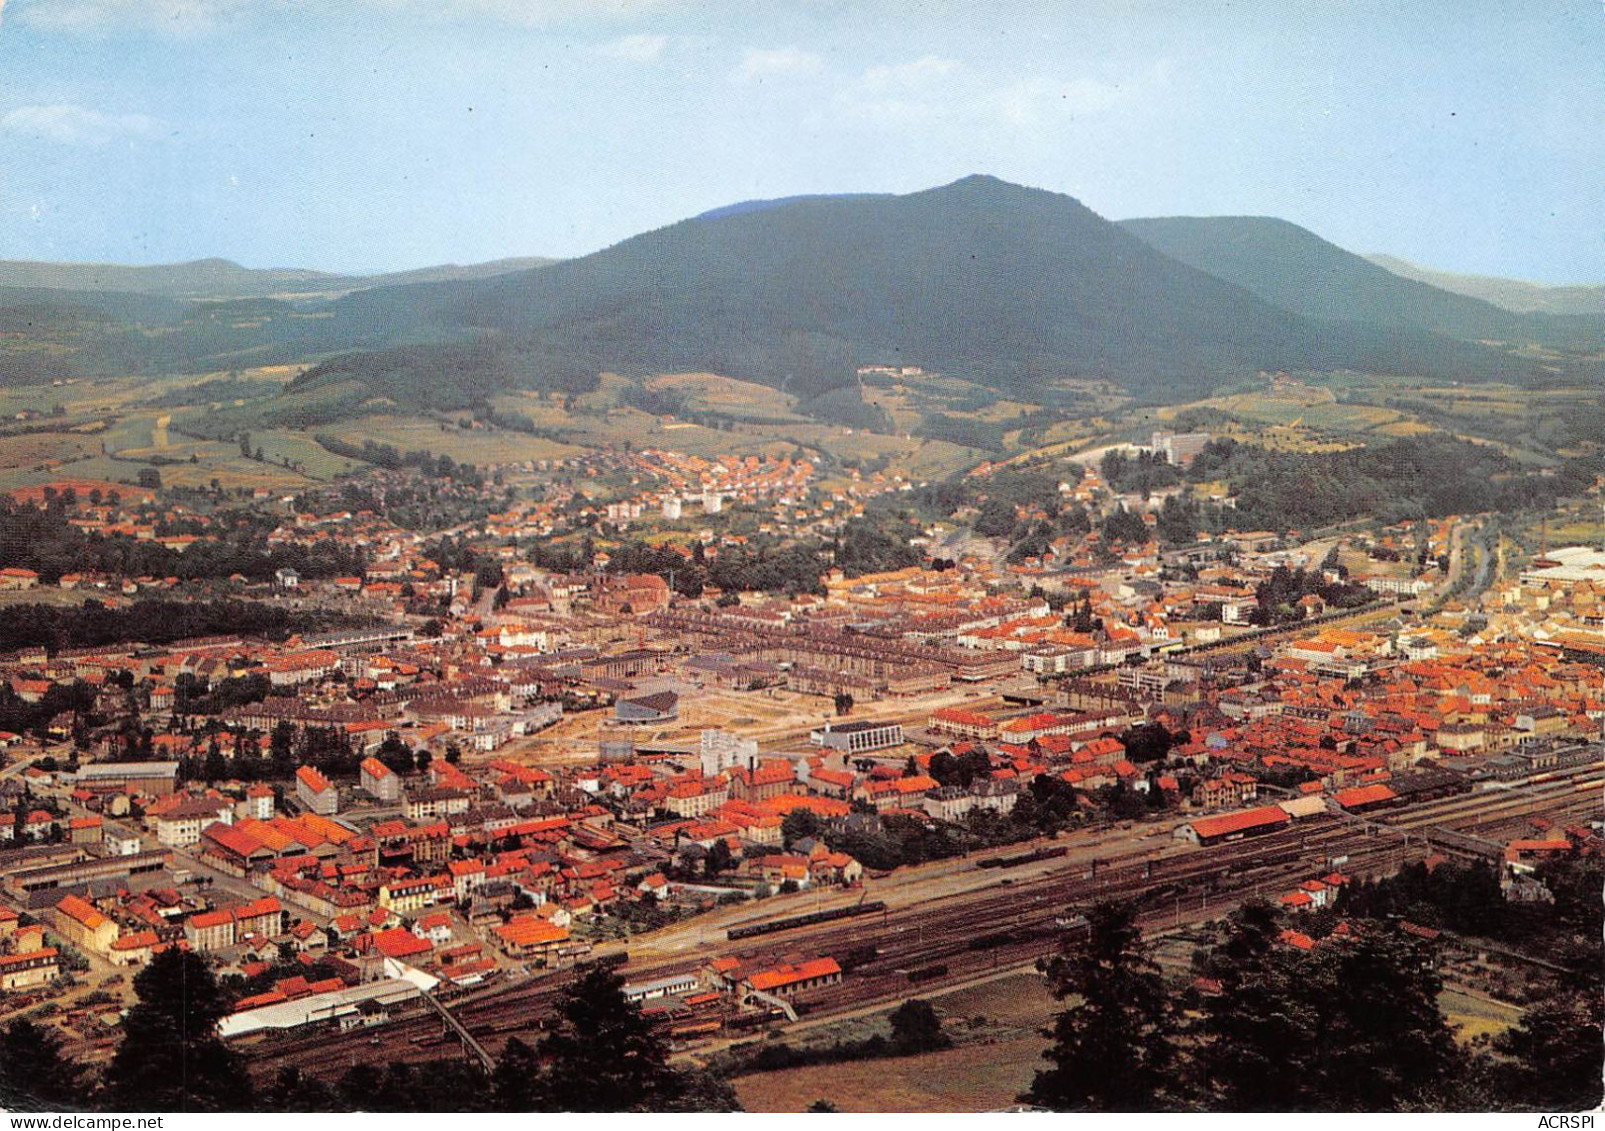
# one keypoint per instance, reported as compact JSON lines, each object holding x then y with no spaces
{"x":1519,"y":295}
{"x":216,"y":278}
{"x":1295,"y":269}
{"x":979,"y":278}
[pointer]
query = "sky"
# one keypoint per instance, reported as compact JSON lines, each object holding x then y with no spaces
{"x":369,"y":135}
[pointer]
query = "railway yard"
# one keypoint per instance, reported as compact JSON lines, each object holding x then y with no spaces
{"x":937,"y":927}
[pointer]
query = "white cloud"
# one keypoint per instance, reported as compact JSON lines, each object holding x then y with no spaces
{"x":935,"y":92}
{"x":178,"y":18}
{"x":908,"y":94}
{"x":524,"y":13}
{"x":186,"y":18}
{"x":76,"y":125}
{"x":635,"y":48}
{"x":759,"y":63}
{"x":920,"y":74}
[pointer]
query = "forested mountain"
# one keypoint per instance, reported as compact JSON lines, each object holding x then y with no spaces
{"x":1298,"y":271}
{"x":88,"y":320}
{"x":980,"y":279}
{"x":1010,"y":287}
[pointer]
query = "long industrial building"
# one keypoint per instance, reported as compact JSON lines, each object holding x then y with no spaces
{"x":23,"y":883}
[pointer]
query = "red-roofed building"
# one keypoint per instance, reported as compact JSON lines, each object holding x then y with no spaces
{"x":80,"y":923}
{"x":787,"y":980}
{"x":530,"y":936}
{"x":30,"y":969}
{"x":1364,"y":797}
{"x":16,"y":577}
{"x":963,"y":724}
{"x":228,"y":926}
{"x":1234,"y":826}
{"x":314,"y":791}
{"x":379,"y":780}
{"x":401,"y":944}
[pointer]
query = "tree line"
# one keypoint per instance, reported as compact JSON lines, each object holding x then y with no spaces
{"x":154,"y":621}
{"x":1350,"y":1026}
{"x":41,"y":539}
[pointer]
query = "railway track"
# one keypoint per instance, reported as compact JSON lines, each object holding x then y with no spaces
{"x":957,"y":936}
{"x":965,"y":935}
{"x":1572,"y":791}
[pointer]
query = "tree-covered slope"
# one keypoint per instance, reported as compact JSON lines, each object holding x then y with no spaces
{"x":982,"y":279}
{"x":1294,"y":269}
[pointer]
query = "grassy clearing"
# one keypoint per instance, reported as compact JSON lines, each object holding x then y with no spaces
{"x":214,"y":461}
{"x":1472,"y":1015}
{"x":29,"y":452}
{"x":1315,"y":409}
{"x":997,"y":1026}
{"x":1016,"y":1000}
{"x":973,"y":1077}
{"x":465,"y":445}
{"x":728,"y":396}
{"x":310,"y":457}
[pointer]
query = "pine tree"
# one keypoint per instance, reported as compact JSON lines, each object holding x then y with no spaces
{"x":1559,"y":1050}
{"x":1353,"y":1025}
{"x":1385,"y":1045}
{"x":515,"y":1085}
{"x":360,"y":1087}
{"x":171,"y":1058}
{"x":293,"y":1090}
{"x":34,"y":1076}
{"x":602,"y":1055}
{"x":1257,"y":1036}
{"x":1112,"y":1051}
{"x":917,"y":1028}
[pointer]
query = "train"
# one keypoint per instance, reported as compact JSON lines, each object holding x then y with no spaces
{"x":808,"y":920}
{"x":1022,"y":858}
{"x":604,"y":961}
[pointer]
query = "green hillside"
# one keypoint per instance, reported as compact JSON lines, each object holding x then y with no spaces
{"x":1298,"y":271}
{"x":988,"y":281}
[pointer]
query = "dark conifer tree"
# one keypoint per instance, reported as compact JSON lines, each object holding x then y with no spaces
{"x":1113,"y":1051}
{"x":171,"y":1058}
{"x":34,"y":1075}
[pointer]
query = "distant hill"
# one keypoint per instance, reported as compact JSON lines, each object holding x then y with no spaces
{"x":1009,"y":287}
{"x":452,"y":271}
{"x":63,"y":333}
{"x":980,"y":279}
{"x":1512,"y":294}
{"x":1298,"y":271}
{"x":223,"y":279}
{"x":89,"y":320}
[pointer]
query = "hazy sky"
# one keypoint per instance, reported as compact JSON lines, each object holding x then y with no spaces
{"x":383,"y":134}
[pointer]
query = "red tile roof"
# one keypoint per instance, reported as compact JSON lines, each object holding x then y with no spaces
{"x":1226,"y":824}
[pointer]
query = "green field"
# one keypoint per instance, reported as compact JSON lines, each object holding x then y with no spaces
{"x":472,"y":445}
{"x":733,"y":417}
{"x":28,"y":453}
{"x":729,"y":397}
